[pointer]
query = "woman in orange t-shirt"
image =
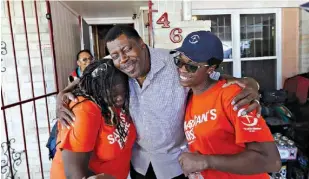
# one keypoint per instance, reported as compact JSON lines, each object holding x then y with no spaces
{"x":103,"y":134}
{"x":223,"y":142}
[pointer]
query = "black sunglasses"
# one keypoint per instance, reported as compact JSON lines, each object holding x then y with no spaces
{"x":190,"y":68}
{"x":87,"y":59}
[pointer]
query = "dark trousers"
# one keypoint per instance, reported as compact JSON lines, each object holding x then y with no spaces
{"x":149,"y":174}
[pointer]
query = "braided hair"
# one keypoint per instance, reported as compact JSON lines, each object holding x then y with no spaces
{"x":97,"y":82}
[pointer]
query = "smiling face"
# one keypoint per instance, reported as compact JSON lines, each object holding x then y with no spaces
{"x":129,"y":56}
{"x":193,"y":79}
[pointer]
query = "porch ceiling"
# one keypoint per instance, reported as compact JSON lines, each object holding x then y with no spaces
{"x":102,"y":9}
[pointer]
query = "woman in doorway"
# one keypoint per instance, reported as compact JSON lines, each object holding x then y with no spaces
{"x":223,"y":142}
{"x":103,"y":134}
{"x":83,"y":59}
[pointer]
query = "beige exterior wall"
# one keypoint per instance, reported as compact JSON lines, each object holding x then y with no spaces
{"x":290,"y":42}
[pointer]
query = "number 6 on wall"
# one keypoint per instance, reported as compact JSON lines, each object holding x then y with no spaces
{"x":175,"y":35}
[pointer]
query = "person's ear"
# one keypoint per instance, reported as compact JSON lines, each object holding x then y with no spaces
{"x":78,"y":62}
{"x":211,"y":69}
{"x":142,"y":44}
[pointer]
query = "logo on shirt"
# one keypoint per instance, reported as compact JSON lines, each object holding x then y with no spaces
{"x":194,"y":39}
{"x":115,"y":136}
{"x":249,"y":121}
{"x":198,"y":119}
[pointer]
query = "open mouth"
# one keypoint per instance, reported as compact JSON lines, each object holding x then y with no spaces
{"x":129,"y":68}
{"x":184,"y":78}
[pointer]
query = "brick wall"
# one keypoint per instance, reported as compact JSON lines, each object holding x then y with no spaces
{"x":65,"y":60}
{"x":304,"y":42}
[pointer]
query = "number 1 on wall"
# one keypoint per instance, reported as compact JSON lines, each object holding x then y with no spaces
{"x":164,"y":20}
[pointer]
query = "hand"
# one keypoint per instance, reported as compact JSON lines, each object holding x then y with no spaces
{"x":101,"y":176}
{"x":248,"y":96}
{"x":64,"y":114}
{"x":192,"y":162}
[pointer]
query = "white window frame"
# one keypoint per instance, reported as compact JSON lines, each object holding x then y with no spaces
{"x":235,"y":28}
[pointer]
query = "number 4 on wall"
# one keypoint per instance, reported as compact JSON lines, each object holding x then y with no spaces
{"x":164,"y":20}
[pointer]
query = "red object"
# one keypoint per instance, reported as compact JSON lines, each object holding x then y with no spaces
{"x":164,"y":20}
{"x":92,"y":133}
{"x":298,"y":85}
{"x":150,"y":27}
{"x":74,"y":75}
{"x":212,"y":127}
{"x":175,"y":35}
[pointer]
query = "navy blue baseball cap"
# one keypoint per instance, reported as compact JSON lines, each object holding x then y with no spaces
{"x":200,"y":46}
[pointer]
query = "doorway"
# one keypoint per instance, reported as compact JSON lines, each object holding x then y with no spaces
{"x":98,"y":33}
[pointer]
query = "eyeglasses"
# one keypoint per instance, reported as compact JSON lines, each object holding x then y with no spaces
{"x":87,"y":59}
{"x":190,"y":68}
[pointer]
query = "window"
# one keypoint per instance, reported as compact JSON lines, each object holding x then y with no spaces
{"x":250,"y":41}
{"x":221,"y":26}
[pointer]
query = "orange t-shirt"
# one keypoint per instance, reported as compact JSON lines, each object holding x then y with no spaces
{"x":212,"y":127}
{"x":91,"y":133}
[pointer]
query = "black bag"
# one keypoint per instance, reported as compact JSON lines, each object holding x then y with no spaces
{"x":52,"y":141}
{"x":274,"y":96}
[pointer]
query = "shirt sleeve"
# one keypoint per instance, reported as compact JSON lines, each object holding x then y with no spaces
{"x":82,"y":137}
{"x":248,"y":128}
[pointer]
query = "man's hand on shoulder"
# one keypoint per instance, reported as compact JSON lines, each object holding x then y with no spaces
{"x":64,"y":114}
{"x":248,"y":96}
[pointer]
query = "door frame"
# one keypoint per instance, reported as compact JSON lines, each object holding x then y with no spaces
{"x":112,"y":20}
{"x":108,"y":21}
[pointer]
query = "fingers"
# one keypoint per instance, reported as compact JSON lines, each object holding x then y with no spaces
{"x":71,"y":97}
{"x":243,"y":94}
{"x":63,"y":123}
{"x":240,"y":84}
{"x":229,"y":83}
{"x":244,"y":102}
{"x":180,"y":158}
{"x":255,"y":106}
{"x":259,"y":111}
{"x":71,"y":86}
{"x":69,"y":113}
{"x":67,"y":119}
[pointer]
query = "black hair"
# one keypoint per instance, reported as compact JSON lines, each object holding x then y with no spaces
{"x":96,"y":84}
{"x":85,"y":50}
{"x":214,"y":61}
{"x":118,"y":30}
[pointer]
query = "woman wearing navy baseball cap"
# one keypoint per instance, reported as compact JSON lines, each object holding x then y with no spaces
{"x":224,"y":142}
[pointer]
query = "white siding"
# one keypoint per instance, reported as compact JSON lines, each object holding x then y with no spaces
{"x":66,"y":40}
{"x":304,"y":42}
